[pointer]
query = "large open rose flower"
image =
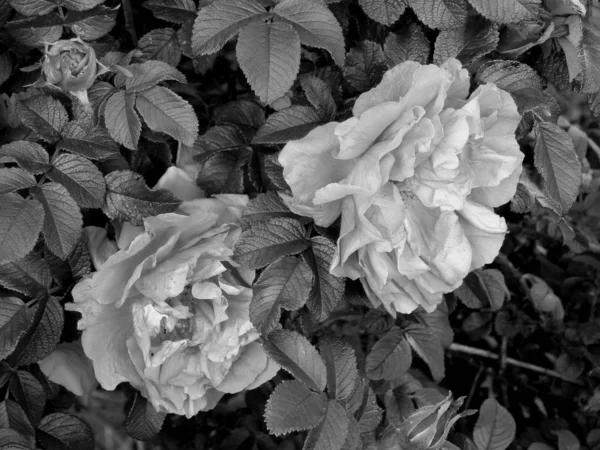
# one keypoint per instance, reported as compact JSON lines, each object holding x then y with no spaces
{"x":71,"y":64}
{"x":415,"y":175}
{"x":169,"y":312}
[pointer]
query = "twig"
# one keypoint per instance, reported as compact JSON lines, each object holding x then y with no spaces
{"x":128,"y":13}
{"x":459,"y":348}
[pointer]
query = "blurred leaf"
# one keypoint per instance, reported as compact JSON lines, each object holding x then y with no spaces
{"x":315,"y":24}
{"x":390,"y":357}
{"x":128,"y":198}
{"x":294,"y":407}
{"x":482,"y":289}
{"x":30,"y":394}
{"x":82,"y":179}
{"x":222,"y":171}
{"x":365,"y":65}
{"x":268,"y":241}
{"x":385,"y":12}
{"x":269,"y":56}
{"x":288,"y":124}
{"x":62,"y":221}
{"x":507,"y":11}
{"x":567,"y":440}
{"x":60,"y":431}
{"x":14,"y":179}
{"x":29,"y":275}
{"x":20,"y":224}
{"x":294,"y":353}
{"x":44,"y":115}
{"x":472,"y":41}
{"x":220,"y":21}
{"x":143,"y":422}
{"x":569,"y":366}
{"x":428,"y":346}
{"x":149,"y":74}
{"x":29,"y":155}
{"x":442,"y":14}
{"x":285,"y":284}
{"x":46,"y":335}
{"x":122,"y":122}
{"x":557,"y":162}
{"x":176,"y":11}
{"x":495,"y":428}
{"x":13,"y":416}
{"x":409,"y":44}
{"x":328,"y":289}
{"x":331,"y":432}
{"x":15,"y":318}
{"x":340,"y":361}
{"x":161,"y":44}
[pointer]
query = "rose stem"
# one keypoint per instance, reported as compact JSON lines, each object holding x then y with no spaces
{"x":459,"y":348}
{"x":128,"y":13}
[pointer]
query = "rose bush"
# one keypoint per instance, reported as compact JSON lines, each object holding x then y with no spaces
{"x":415,"y":175}
{"x":71,"y":64}
{"x":168,"y":312}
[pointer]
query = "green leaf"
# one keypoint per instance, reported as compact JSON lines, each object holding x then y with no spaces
{"x":220,"y":21}
{"x":92,"y":24}
{"x":269,"y":56}
{"x":285,"y":284}
{"x":495,"y":428}
{"x":30,"y":395}
{"x":29,"y":155}
{"x":319,"y":95}
{"x":151,"y":73}
{"x":268,"y":241}
{"x":294,"y":353}
{"x":33,"y":7}
{"x":288,"y":124}
{"x":523,"y":83}
{"x":588,"y":51}
{"x":167,"y":112}
{"x":328,"y":289}
{"x":20,"y":224}
{"x":80,"y":5}
{"x":476,"y":38}
{"x":82,"y":179}
{"x":44,"y":115}
{"x":13,"y":179}
{"x":410,"y":44}
{"x":30,"y":34}
{"x":315,"y":24}
{"x":176,"y":11}
{"x":556,"y":160}
{"x":220,"y":137}
{"x":331,"y":433}
{"x":385,"y":12}
{"x":13,"y":416}
{"x":63,"y":221}
{"x":64,"y":431}
{"x":567,"y":440}
{"x":122,"y":122}
{"x":483,"y":288}
{"x":365,"y":66}
{"x":95,"y":144}
{"x":161,"y":44}
{"x":13,"y":440}
{"x":222,"y":171}
{"x":46,"y":336}
{"x":340,"y":361}
{"x":439,"y":323}
{"x":293,"y":407}
{"x":264,"y":207}
{"x":369,"y":414}
{"x":428,"y":346}
{"x":6,"y":67}
{"x":128,"y":198}
{"x":241,"y":113}
{"x":143,"y":421}
{"x":29,"y":276}
{"x":507,"y":11}
{"x":441,"y":14}
{"x":15,"y":318}
{"x":390,"y":357}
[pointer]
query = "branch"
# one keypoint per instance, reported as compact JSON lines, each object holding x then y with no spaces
{"x":459,"y":348}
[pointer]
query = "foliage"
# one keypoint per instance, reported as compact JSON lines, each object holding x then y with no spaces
{"x":518,"y":339}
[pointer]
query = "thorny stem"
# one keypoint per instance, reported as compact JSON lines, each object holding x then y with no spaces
{"x":128,"y":14}
{"x":459,"y":348}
